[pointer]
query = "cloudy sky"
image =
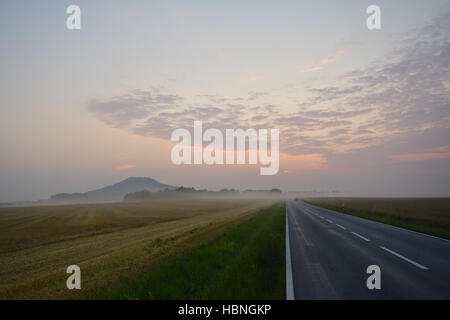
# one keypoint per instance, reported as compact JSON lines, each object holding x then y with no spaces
{"x":363,"y":112}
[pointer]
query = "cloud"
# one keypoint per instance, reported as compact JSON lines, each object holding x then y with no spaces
{"x":302,"y":162}
{"x":256,"y":95}
{"x":410,"y":157}
{"x":432,"y":154}
{"x":124,"y":167}
{"x":122,"y":110}
{"x":409,"y":92}
{"x":338,"y":132}
{"x":322,"y":63}
{"x":335,"y":114}
{"x":259,"y":118}
{"x":406,"y":94}
{"x":327,"y":94}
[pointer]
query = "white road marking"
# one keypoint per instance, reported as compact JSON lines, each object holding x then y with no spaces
{"x":343,"y":228}
{"x":329,"y":220}
{"x":404,"y":258}
{"x":289,"y":280}
{"x":358,"y":235}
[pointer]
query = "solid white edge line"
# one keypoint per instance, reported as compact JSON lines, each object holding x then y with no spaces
{"x":343,"y":228}
{"x":358,"y":235}
{"x":404,"y":258}
{"x":384,"y":224}
{"x":289,"y":280}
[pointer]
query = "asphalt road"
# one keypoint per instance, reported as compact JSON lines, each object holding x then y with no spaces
{"x":330,"y":253}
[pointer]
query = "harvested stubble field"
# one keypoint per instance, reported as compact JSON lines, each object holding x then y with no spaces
{"x":107,"y":241}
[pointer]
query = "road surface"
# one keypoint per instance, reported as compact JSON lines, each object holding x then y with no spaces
{"x":330,"y":253}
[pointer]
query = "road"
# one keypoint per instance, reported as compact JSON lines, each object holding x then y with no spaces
{"x":330,"y":253}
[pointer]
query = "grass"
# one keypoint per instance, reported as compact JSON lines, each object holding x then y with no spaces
{"x":107,"y":241}
{"x":246,"y":262}
{"x":426,"y":215}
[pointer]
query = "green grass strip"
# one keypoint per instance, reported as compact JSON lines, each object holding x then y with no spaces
{"x":245,"y":263}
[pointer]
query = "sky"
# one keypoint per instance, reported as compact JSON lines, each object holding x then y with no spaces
{"x":364,"y":112}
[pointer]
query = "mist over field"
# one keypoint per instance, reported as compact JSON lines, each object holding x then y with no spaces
{"x":361,"y":112}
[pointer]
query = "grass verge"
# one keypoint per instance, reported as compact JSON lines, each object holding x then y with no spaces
{"x":429,"y":216}
{"x":246,"y":262}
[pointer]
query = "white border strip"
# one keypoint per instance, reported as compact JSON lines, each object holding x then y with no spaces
{"x":289,"y":281}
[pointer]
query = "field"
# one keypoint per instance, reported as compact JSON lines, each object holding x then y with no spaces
{"x":246,"y":262}
{"x":107,"y":241}
{"x":426,"y":215}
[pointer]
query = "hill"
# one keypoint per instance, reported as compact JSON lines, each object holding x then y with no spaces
{"x":111,"y":193}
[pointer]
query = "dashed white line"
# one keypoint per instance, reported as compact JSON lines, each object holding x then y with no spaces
{"x":404,"y":258}
{"x":343,"y":228}
{"x":384,"y":248}
{"x":358,"y":235}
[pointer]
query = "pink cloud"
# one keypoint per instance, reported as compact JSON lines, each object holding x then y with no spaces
{"x":432,"y":154}
{"x":320,"y":64}
{"x":125,"y":167}
{"x":302,"y":162}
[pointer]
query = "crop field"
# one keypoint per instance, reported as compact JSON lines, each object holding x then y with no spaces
{"x":246,"y":262}
{"x":426,"y":215}
{"x":108,"y":241}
